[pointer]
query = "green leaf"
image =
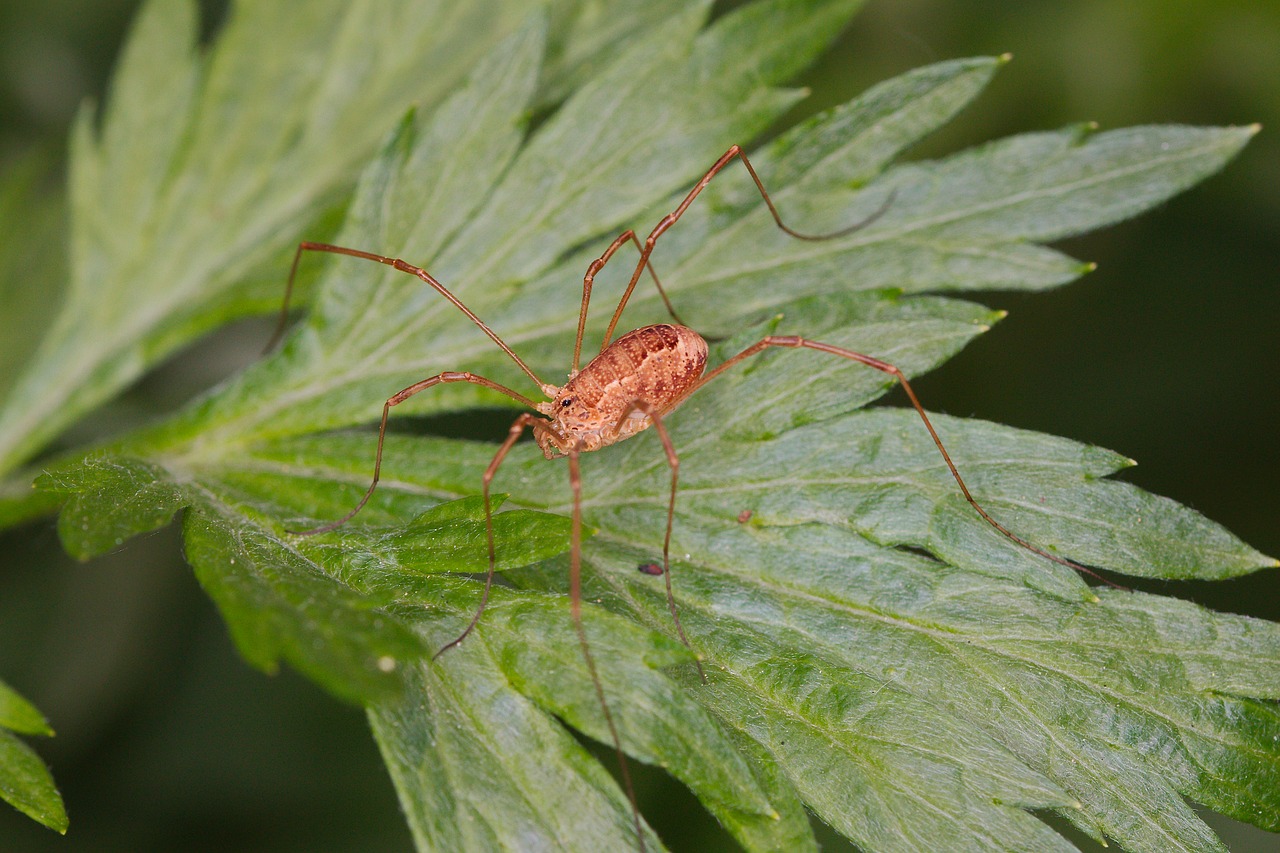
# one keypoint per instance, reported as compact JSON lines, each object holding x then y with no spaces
{"x":31,"y":260}
{"x":278,"y":605}
{"x":285,"y":599}
{"x":32,"y":266}
{"x":539,"y":208}
{"x":111,"y":499}
{"x":209,"y":167}
{"x":19,"y":715}
{"x":315,"y":603}
{"x":529,"y":649}
{"x":25,"y":781}
{"x":875,"y":651}
{"x":486,"y":768}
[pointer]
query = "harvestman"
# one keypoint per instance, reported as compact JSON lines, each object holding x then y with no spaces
{"x":632,"y":384}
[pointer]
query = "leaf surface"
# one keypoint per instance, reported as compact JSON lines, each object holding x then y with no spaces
{"x":25,"y":781}
{"x":208,"y":168}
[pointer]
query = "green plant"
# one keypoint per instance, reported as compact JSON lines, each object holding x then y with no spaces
{"x":875,"y":652}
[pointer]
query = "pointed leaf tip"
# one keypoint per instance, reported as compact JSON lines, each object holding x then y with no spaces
{"x":19,"y":715}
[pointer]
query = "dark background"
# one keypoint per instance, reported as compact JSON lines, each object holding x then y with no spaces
{"x":1166,"y":353}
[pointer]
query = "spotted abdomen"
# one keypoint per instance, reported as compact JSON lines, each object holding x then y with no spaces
{"x":658,"y":365}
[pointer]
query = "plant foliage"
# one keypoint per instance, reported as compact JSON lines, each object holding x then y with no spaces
{"x":25,"y":783}
{"x":875,"y":652}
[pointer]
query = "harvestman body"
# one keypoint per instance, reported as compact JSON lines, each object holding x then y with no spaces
{"x":632,"y":384}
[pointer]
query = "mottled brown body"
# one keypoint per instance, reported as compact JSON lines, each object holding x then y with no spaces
{"x":652,"y":369}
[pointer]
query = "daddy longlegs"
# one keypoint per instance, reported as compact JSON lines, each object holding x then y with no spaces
{"x":631,"y":384}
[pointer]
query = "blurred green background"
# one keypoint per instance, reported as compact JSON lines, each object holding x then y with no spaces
{"x":1167,"y":353}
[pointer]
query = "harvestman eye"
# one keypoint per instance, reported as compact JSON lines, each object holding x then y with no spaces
{"x":647,"y":372}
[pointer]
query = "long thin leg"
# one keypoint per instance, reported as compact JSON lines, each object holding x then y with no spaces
{"x":575,"y":605}
{"x":526,"y":420}
{"x":394,"y":400}
{"x":529,"y":420}
{"x":402,"y":266}
{"x":589,"y":279}
{"x":793,"y":342}
{"x":671,"y":218}
{"x":283,"y":321}
{"x":673,"y":461}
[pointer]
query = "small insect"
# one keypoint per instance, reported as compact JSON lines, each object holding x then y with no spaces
{"x":632,"y":384}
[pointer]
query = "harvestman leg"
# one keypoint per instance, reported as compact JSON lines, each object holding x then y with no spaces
{"x":672,"y":217}
{"x":418,"y":272}
{"x":528,"y":420}
{"x":589,"y":279}
{"x":673,"y":461}
{"x":794,"y":342}
{"x":575,"y":606}
{"x":525,"y":421}
{"x":396,"y":399}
